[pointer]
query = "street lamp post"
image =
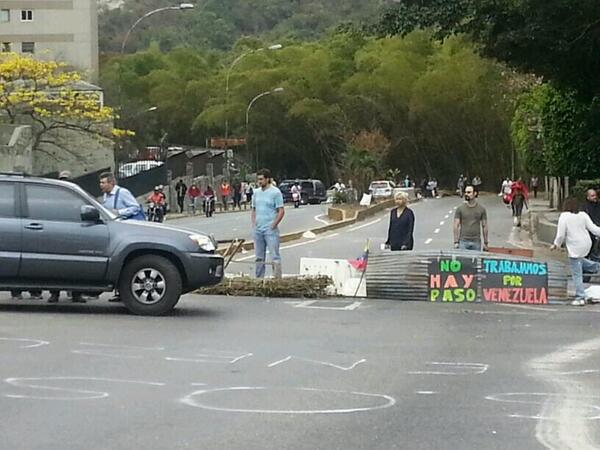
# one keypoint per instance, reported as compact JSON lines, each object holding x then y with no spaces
{"x":180,"y":7}
{"x":233,"y":64}
{"x":254,"y":100}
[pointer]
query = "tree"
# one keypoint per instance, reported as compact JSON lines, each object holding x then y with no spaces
{"x":554,"y":39}
{"x":43,"y":94}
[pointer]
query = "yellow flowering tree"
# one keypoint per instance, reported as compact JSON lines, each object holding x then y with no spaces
{"x":44,"y":94}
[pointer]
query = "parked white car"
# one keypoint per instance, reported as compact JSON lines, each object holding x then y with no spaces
{"x":133,"y":168}
{"x":382,"y":189}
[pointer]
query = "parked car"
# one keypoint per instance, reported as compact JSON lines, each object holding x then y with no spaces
{"x":53,"y":235}
{"x":313,"y":191}
{"x":133,"y":168}
{"x":382,"y":189}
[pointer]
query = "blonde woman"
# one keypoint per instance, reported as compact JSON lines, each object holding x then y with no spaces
{"x":402,"y":224}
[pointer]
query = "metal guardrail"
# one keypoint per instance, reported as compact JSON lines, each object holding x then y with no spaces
{"x":406,"y":275}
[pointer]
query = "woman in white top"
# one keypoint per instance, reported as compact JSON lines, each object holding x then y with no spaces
{"x":574,"y":228}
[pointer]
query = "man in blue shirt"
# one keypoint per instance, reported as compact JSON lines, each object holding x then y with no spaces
{"x":118,"y":199}
{"x":267,"y":214}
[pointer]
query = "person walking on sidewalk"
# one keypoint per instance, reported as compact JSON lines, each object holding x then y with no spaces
{"x":519,"y":195}
{"x":402,"y":225}
{"x":267,"y":214}
{"x":193,"y":194}
{"x":477,"y":183}
{"x":574,"y":228}
{"x":470,"y":221}
{"x":535,"y":185}
{"x":249,"y":192}
{"x":237,"y":194}
{"x":225,"y":191}
{"x":181,"y":190}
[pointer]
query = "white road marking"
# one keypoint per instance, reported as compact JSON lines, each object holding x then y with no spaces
{"x":442,"y":223}
{"x":427,"y":392}
{"x":109,"y":355}
{"x":212,"y":357}
{"x":365,"y":225}
{"x":436,"y":231}
{"x":446,"y":216}
{"x":285,"y":247}
{"x":132,"y":347}
{"x":191,"y":401}
{"x":84,"y":394}
{"x":453,"y":368}
{"x":318,"y":219}
{"x":35,"y":342}
{"x":310,"y":305}
{"x":314,"y":361}
{"x":428,"y":241}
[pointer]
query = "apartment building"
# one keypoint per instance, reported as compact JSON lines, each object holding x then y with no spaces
{"x":62,"y":30}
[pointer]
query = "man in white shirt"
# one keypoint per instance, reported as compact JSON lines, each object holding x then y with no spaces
{"x":574,"y":228}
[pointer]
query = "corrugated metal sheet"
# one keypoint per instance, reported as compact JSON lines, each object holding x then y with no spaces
{"x":405,"y":275}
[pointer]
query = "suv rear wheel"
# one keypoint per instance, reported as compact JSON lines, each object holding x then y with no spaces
{"x":150,"y":285}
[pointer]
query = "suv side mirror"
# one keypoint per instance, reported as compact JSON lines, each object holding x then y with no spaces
{"x":89,"y":214}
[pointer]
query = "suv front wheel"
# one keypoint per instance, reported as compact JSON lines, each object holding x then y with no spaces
{"x":150,"y":285}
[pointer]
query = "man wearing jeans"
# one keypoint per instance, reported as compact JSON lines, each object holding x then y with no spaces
{"x":267,"y":214}
{"x":470,"y":220}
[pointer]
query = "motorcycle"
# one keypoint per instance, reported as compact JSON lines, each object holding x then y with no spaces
{"x":154,"y":213}
{"x":209,"y":205}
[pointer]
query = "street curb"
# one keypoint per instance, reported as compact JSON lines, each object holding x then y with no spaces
{"x":358,"y":216}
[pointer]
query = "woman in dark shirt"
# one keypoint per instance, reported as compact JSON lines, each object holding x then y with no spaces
{"x":402,"y":224}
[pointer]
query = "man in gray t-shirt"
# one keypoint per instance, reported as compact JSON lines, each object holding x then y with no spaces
{"x":470,"y":220}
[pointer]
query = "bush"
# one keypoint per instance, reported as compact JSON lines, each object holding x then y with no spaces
{"x":340,"y":197}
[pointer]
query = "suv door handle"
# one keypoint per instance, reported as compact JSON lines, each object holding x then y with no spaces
{"x":34,"y":226}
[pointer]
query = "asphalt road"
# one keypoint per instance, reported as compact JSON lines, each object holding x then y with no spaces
{"x":433,"y":230}
{"x":233,"y":373}
{"x":237,"y":225}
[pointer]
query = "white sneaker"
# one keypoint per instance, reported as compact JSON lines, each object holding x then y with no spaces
{"x":578,"y":302}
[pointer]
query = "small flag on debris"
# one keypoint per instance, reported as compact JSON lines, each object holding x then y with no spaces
{"x":360,"y":264}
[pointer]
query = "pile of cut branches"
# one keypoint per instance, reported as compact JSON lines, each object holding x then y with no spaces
{"x":289,"y":287}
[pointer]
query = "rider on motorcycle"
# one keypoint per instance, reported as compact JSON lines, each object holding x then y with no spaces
{"x":209,"y":201}
{"x":156,"y":205}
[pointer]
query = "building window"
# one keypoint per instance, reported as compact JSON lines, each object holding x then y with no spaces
{"x":26,"y":15}
{"x":4,"y":15}
{"x":6,"y":47}
{"x":27,"y":47}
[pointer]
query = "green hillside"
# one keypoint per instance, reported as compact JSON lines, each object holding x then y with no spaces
{"x":218,"y":24}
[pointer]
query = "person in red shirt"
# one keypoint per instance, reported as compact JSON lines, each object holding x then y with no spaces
{"x":157,"y":205}
{"x":519,"y":194}
{"x":157,"y":197}
{"x":225,"y":192}
{"x":193,"y":194}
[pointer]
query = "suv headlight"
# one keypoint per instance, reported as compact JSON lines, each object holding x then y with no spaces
{"x":206,"y":243}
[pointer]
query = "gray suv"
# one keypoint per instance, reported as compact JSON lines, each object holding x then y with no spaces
{"x":55,"y":236}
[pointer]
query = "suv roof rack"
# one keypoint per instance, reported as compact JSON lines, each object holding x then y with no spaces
{"x":15,"y":174}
